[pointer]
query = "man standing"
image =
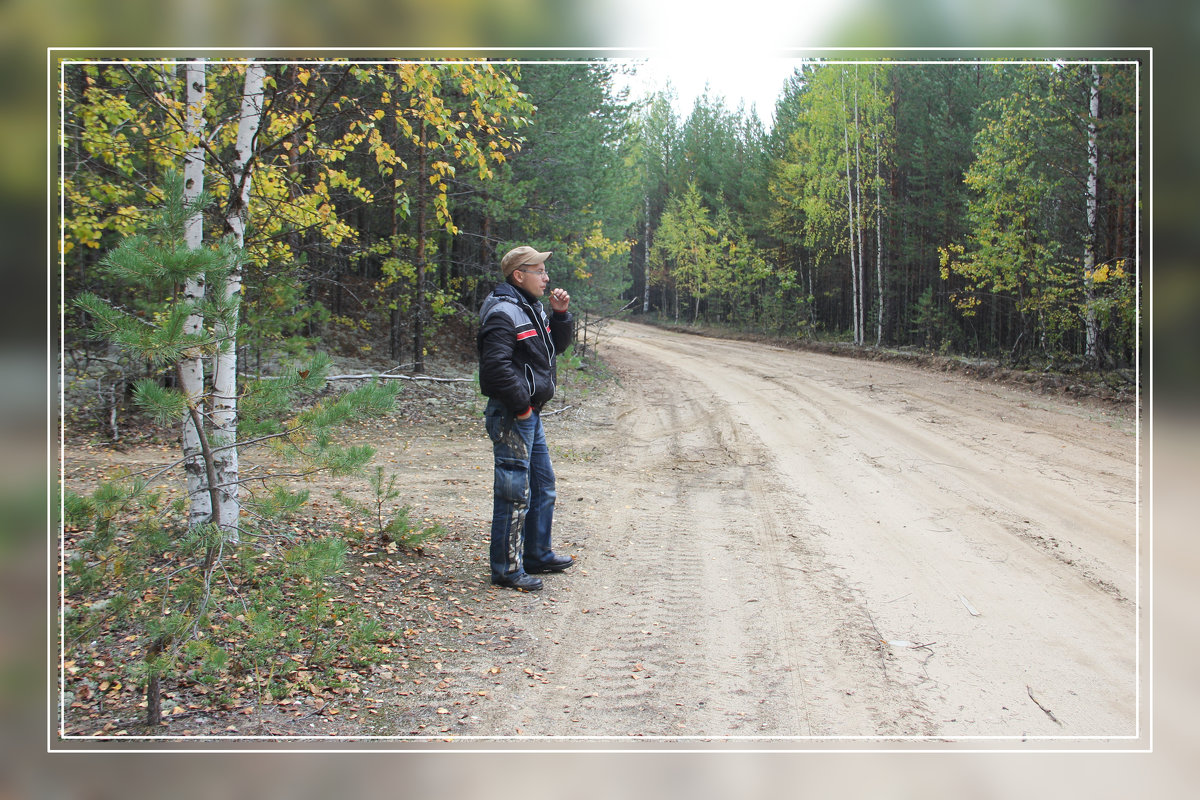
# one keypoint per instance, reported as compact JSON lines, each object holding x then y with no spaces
{"x":517,"y":348}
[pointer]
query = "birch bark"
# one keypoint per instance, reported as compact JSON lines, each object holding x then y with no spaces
{"x":419,"y":278}
{"x":850,"y":208}
{"x":191,"y":367}
{"x":1089,"y":246}
{"x":878,"y":212}
{"x":861,"y":289}
{"x":646,"y":261}
{"x":225,"y":397}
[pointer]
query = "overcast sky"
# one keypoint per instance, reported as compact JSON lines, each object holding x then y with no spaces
{"x":743,"y":49}
{"x":755,"y":81}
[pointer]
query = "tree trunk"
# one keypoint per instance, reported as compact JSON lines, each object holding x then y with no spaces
{"x":812,"y":298}
{"x":861,"y":289}
{"x":1089,"y":246}
{"x":419,"y":287}
{"x":850,"y":211}
{"x":394,"y":292}
{"x":646,"y":261}
{"x":878,"y":219}
{"x":191,"y":367}
{"x":153,"y":690}
{"x":225,"y":399}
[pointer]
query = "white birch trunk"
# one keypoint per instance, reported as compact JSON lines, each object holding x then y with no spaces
{"x":850,"y":208}
{"x":859,"y":333}
{"x":225,"y":373}
{"x":812,"y":296}
{"x":191,"y":368}
{"x":646,"y":262}
{"x":1089,"y":247}
{"x":878,"y":214}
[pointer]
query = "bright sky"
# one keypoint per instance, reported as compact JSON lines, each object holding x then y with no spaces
{"x":740,"y":48}
{"x":754,"y":81}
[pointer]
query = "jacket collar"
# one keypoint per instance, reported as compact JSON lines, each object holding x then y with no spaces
{"x":508,"y":290}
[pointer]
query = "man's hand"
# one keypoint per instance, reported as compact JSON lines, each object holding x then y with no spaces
{"x":560,"y":300}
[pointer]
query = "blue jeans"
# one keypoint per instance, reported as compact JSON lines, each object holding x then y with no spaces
{"x":523,"y":492}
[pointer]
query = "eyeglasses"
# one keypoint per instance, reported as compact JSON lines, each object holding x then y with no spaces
{"x":541,"y":273}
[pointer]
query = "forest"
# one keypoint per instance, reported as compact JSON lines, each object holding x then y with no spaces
{"x":226,"y":227}
{"x":985,"y":209}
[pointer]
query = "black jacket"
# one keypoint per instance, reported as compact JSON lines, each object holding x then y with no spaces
{"x":517,"y":346}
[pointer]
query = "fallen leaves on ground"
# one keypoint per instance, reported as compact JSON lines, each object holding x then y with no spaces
{"x":451,"y":646}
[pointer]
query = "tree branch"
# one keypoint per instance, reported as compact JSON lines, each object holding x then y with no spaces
{"x":386,"y":377}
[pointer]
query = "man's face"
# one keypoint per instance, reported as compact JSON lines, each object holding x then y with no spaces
{"x":533,"y":278}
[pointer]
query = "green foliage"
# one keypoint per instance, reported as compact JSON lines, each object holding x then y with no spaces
{"x":1027,"y":211}
{"x":931,"y":322}
{"x":158,"y":263}
{"x":709,"y":259}
{"x":348,"y":155}
{"x":981,"y":199}
{"x":267,"y":403}
{"x":387,"y":521}
{"x":569,"y":362}
{"x":384,"y":192}
{"x":684,"y":252}
{"x":284,"y":502}
{"x":279,"y":315}
{"x":1114,"y":301}
{"x":172,"y":581}
{"x":316,"y":559}
{"x":272,"y":610}
{"x":164,"y":405}
{"x":567,"y":189}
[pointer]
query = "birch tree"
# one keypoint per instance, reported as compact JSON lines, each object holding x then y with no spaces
{"x":879,"y":283}
{"x":170,"y":614}
{"x":686,"y":250}
{"x":191,"y":367}
{"x":225,"y":373}
{"x":861,"y":288}
{"x":1033,"y":211}
{"x":656,"y":157}
{"x":646,"y":254}
{"x":1089,"y":237}
{"x":849,"y":183}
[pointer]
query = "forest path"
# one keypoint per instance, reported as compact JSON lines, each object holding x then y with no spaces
{"x":784,"y":544}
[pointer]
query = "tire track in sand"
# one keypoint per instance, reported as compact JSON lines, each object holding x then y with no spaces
{"x":698,"y":609}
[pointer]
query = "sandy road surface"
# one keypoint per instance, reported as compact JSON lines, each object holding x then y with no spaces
{"x":784,"y":544}
{"x":771,"y":544}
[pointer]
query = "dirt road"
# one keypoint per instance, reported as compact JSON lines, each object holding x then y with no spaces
{"x":770,"y":543}
{"x":784,"y":544}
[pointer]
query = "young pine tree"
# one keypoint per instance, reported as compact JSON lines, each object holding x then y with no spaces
{"x":154,"y":569}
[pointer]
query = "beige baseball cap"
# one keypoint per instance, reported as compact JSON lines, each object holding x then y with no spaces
{"x":519,"y":257}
